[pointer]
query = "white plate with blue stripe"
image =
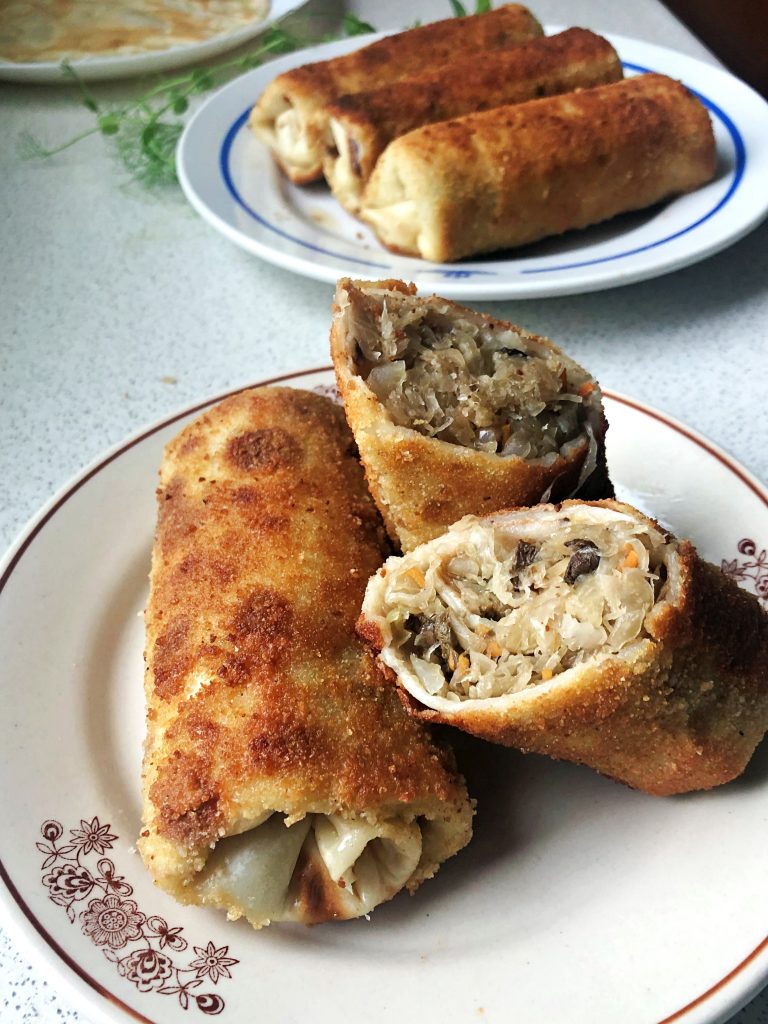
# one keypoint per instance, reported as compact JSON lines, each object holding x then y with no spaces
{"x":229,"y":177}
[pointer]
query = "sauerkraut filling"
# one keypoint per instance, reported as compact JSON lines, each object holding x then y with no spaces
{"x":476,"y":384}
{"x":508,"y":612}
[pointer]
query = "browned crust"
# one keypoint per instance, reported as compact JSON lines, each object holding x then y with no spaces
{"x":516,"y":174}
{"x":371,"y":633}
{"x":311,"y":86}
{"x":266,"y":536}
{"x":539,"y":67}
{"x":684,"y":713}
{"x":318,"y":896}
{"x":422,"y":485}
{"x":407,"y":53}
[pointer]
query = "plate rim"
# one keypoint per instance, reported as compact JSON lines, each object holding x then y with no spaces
{"x":100,"y":67}
{"x":524,"y":285}
{"x":32,"y":934}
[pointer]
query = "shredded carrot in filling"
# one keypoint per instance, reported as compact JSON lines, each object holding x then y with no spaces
{"x":631,"y":560}
{"x":546,"y":674}
{"x":416,"y":575}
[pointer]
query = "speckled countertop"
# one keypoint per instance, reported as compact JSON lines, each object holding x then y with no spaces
{"x":118,"y":307}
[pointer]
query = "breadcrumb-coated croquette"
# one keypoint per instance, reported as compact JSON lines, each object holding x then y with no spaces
{"x":446,"y":367}
{"x":260,"y":696}
{"x":515,"y":174}
{"x":362,"y":124}
{"x":652,"y":669}
{"x":291,"y":116}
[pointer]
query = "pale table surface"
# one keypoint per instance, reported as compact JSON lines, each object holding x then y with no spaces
{"x":118,"y":307}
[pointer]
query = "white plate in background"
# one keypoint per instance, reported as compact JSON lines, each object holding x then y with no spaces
{"x":103,"y":67}
{"x":578,"y":901}
{"x":229,"y":177}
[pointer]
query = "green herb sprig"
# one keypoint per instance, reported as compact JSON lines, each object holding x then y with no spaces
{"x":354,"y":26}
{"x":481,"y":7}
{"x":146,"y":130}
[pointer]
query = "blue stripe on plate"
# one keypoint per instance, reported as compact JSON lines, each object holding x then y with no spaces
{"x":233,"y":191}
{"x":738,"y":174}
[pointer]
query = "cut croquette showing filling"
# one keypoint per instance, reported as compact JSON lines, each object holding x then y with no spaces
{"x":456,"y":376}
{"x":500,"y":604}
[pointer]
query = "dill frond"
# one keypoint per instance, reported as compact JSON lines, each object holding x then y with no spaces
{"x":148,"y":152}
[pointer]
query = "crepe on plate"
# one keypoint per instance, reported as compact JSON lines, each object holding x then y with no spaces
{"x":583,"y":631}
{"x":362,"y":124}
{"x":55,"y":30}
{"x":457,"y":412}
{"x":281,"y":780}
{"x":290,"y":115}
{"x":516,"y":174}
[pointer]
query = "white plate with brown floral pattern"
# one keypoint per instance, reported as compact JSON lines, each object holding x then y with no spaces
{"x":577,"y":902}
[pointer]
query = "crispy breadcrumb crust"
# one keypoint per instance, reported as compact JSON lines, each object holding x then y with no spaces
{"x":422,"y":484}
{"x":259,"y":694}
{"x":515,"y":174}
{"x":680,"y":711}
{"x":545,"y":66}
{"x":311,"y":86}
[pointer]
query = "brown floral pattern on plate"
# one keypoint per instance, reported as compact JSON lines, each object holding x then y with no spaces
{"x":328,"y":391}
{"x":753,"y":568}
{"x":139,"y":945}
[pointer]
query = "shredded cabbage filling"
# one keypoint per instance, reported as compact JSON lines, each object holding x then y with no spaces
{"x":479,"y":385}
{"x":507,"y":612}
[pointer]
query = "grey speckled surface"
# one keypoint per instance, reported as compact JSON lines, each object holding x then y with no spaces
{"x":118,"y":307}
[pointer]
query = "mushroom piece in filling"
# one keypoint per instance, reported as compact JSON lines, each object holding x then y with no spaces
{"x":503,"y":606}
